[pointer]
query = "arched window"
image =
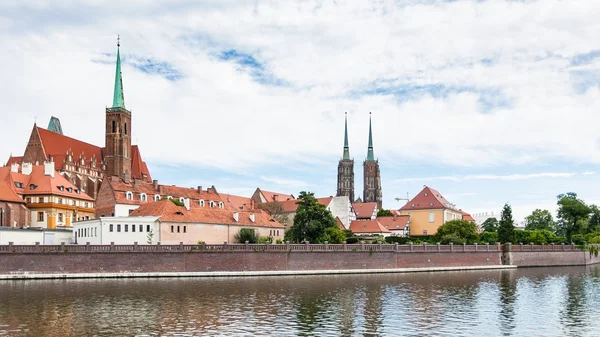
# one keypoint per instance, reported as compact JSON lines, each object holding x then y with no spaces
{"x":221,"y":204}
{"x":181,"y":200}
{"x":212,"y":204}
{"x":156,"y":197}
{"x":125,"y":128}
{"x":143,"y":197}
{"x":169,"y":197}
{"x":129,"y":195}
{"x":201,"y":203}
{"x":114,"y":126}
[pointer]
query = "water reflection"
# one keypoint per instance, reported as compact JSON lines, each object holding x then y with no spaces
{"x":540,"y":302}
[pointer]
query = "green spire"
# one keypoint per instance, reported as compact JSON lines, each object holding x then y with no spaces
{"x":370,"y":155}
{"x":346,"y":147}
{"x":118,"y":99}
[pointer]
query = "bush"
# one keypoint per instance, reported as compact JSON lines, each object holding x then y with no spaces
{"x":334,"y":235}
{"x":452,"y":238}
{"x":488,"y":237}
{"x":278,"y":241}
{"x":246,"y":234}
{"x":457,"y":230}
{"x":352,"y":240}
{"x":578,"y":239}
{"x":265,"y":239}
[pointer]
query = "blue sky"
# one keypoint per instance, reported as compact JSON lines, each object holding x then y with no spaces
{"x":486,"y":101}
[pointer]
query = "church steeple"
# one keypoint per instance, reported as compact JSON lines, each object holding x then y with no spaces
{"x":370,"y":155}
{"x":346,"y":147}
{"x":118,"y":99}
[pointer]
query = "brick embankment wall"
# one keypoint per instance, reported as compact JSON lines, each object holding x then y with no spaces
{"x":547,"y":256}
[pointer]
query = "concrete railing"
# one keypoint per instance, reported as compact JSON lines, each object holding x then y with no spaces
{"x":541,"y":248}
{"x":227,"y":247}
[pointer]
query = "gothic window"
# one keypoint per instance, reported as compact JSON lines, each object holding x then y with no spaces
{"x":347,"y":184}
{"x":370,"y":168}
{"x":143,"y":197}
{"x":129,"y":195}
{"x":125,"y":127}
{"x":114,"y":126}
{"x":221,"y":204}
{"x":347,"y":170}
{"x":212,"y":204}
{"x":156,"y":197}
{"x":201,"y":203}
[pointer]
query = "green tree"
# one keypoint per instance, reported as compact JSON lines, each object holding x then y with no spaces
{"x":149,"y":237}
{"x":311,"y":220}
{"x":540,"y":219}
{"x":458,"y":232}
{"x":275,"y":210}
{"x":384,"y":212}
{"x":488,"y":237}
{"x":334,"y":235}
{"x":573,"y":211}
{"x":177,"y":202}
{"x":506,"y":226}
{"x":490,"y":225}
{"x":246,"y":234}
{"x":593,"y":225}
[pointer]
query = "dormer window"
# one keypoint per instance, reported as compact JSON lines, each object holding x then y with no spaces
{"x":77,"y":191}
{"x":143,"y":197}
{"x":426,"y":194}
{"x":212,"y":204}
{"x":19,"y":185}
{"x":201,"y":203}
{"x":181,"y":199}
{"x":221,"y":204}
{"x":61,"y":188}
{"x":69,"y":189}
{"x":169,"y":197}
{"x":413,"y":205}
{"x":156,"y":197}
{"x":129,"y":195}
{"x":32,"y":186}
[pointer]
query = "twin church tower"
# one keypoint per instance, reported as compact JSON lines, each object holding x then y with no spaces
{"x":371,"y":174}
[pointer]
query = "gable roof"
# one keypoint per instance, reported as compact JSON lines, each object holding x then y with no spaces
{"x":237,"y":202}
{"x":394,"y":222}
{"x":7,"y":194}
{"x":367,"y":226}
{"x":290,"y":206}
{"x":167,"y":211}
{"x":121,"y":188}
{"x":428,"y":198}
{"x":340,"y":223}
{"x":271,"y":196}
{"x":466,"y":216}
{"x":364,"y":210}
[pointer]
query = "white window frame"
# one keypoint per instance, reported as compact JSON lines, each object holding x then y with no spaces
{"x":156,"y":197}
{"x":431,"y":216}
{"x":129,"y":195}
{"x":143,"y":197}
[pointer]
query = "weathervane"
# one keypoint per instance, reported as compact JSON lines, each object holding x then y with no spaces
{"x":118,"y":40}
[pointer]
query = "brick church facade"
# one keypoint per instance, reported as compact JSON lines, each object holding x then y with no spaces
{"x":86,"y":165}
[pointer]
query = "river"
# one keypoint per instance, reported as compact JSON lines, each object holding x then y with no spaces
{"x":523,"y":302}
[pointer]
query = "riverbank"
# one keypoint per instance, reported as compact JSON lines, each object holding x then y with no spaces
{"x":238,"y":260}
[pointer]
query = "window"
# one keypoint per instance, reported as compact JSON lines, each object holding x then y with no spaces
{"x":278,"y":232}
{"x":221,"y":204}
{"x":143,"y":197}
{"x":178,"y":231}
{"x":431,"y":204}
{"x":133,"y":228}
{"x":156,"y":197}
{"x":130,"y":211}
{"x":118,"y":228}
{"x":413,"y":205}
{"x":61,"y":188}
{"x":426,"y":194}
{"x":431,"y":217}
{"x":95,"y":231}
{"x":147,"y":228}
{"x":73,"y":202}
{"x":125,"y":127}
{"x":184,"y":229}
{"x":201,"y":203}
{"x":129,"y":195}
{"x":69,"y":189}
{"x":126,"y":227}
{"x":41,"y":200}
{"x":60,"y":201}
{"x":32,"y":186}
{"x":172,"y":228}
{"x":28,"y":199}
{"x":424,"y":232}
{"x":141,"y":228}
{"x":181,"y":199}
{"x":19,"y":185}
{"x":114,"y":126}
{"x":60,"y":217}
{"x":110,"y":227}
{"x":40,"y":216}
{"x":169,"y":197}
{"x":212,"y":204}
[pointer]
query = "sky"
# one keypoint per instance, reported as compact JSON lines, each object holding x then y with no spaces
{"x":486,"y":101}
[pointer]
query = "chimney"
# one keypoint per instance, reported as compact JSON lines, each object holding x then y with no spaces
{"x":155,"y":184}
{"x":186,"y":203}
{"x":160,"y":190}
{"x":27,"y":168}
{"x":236,"y":216}
{"x":199,"y":189}
{"x":251,"y":204}
{"x":114,"y":179}
{"x":49,"y":169}
{"x":14,"y":167}
{"x":252,"y":217}
{"x":137,"y":182}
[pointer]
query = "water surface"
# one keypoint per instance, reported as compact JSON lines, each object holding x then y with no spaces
{"x":523,"y":302}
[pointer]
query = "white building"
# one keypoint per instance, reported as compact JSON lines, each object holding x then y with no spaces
{"x":482,"y":216}
{"x":120,"y":230}
{"x":29,"y":236}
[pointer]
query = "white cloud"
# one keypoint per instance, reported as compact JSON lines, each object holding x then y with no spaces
{"x":517,"y":176}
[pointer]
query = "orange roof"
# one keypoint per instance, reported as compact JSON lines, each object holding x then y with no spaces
{"x":340,"y":223}
{"x":428,"y":198}
{"x":364,"y":210}
{"x":14,"y":160}
{"x":466,"y":216}
{"x":237,"y":202}
{"x":394,"y":222}
{"x":38,"y":183}
{"x":8,"y":194}
{"x":169,"y":212}
{"x":121,"y":188}
{"x":290,"y":206}
{"x":367,"y":226}
{"x":270,"y":196}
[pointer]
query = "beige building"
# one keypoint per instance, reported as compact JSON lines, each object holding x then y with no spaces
{"x":428,"y":210}
{"x":52,"y":200}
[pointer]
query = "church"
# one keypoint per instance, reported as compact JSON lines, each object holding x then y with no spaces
{"x":371,"y":172}
{"x":83,"y":164}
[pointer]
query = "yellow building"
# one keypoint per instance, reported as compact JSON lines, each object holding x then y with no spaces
{"x":428,"y":210}
{"x":53,"y":201}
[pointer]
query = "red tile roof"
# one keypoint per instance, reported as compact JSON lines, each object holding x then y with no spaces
{"x":466,"y":216}
{"x":121,"y":188}
{"x":169,"y":212}
{"x":270,"y":196}
{"x":394,"y":222}
{"x":237,"y":202}
{"x":367,"y":226}
{"x":14,"y":160}
{"x":290,"y":206}
{"x":428,"y":198}
{"x":340,"y":223}
{"x":8,"y":194}
{"x":42,"y":184}
{"x":364,"y":210}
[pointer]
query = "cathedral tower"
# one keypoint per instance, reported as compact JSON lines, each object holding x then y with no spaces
{"x":372,"y":176}
{"x":345,"y":177}
{"x":118,"y":131}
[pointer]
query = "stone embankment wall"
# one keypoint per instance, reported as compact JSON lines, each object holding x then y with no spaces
{"x":99,"y":259}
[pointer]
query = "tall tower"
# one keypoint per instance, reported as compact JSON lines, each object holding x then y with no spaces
{"x":372,"y":176}
{"x":118,"y":130}
{"x":345,"y":176}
